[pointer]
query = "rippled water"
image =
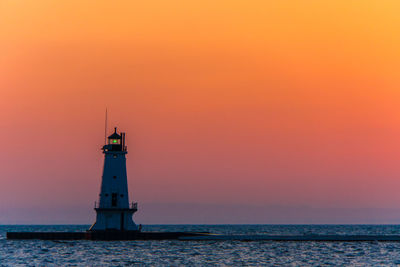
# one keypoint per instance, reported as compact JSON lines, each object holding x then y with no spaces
{"x":200,"y":253}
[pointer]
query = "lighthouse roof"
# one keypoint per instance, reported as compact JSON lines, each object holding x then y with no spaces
{"x":115,"y":135}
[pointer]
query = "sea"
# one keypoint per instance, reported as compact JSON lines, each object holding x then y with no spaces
{"x":204,"y":253}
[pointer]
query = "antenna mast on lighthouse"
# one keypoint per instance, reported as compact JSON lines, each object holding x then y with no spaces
{"x":105,"y":130}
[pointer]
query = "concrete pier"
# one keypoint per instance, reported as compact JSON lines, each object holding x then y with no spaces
{"x":101,"y":235}
{"x":296,"y":238}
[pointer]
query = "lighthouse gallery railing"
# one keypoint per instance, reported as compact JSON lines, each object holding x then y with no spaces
{"x":133,"y":205}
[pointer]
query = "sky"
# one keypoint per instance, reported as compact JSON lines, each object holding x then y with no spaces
{"x":235,"y":111}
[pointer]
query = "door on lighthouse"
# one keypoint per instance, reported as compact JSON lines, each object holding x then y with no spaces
{"x":114,"y":199}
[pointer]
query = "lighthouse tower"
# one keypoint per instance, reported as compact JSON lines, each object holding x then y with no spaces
{"x":113,"y":212}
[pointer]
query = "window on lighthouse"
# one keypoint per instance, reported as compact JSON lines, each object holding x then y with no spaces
{"x":115,"y":141}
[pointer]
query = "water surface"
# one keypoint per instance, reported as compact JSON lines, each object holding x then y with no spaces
{"x":200,"y":253}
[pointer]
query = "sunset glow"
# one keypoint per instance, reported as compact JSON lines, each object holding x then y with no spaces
{"x":254,"y":103}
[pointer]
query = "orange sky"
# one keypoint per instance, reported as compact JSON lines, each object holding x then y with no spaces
{"x":292,"y":103}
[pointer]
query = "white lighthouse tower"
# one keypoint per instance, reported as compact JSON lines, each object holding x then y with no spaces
{"x":113,"y":212}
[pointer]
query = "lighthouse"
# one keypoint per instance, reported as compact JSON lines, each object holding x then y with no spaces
{"x":113,"y":211}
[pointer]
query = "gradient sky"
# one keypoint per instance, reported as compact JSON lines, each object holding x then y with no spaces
{"x":274,"y":111}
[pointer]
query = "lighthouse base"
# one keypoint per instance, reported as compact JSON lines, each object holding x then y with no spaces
{"x":114,"y":220}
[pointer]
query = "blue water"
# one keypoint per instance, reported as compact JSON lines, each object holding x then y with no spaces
{"x":200,"y":253}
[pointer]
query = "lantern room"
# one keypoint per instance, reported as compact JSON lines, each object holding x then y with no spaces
{"x":115,"y":138}
{"x":116,"y":142}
